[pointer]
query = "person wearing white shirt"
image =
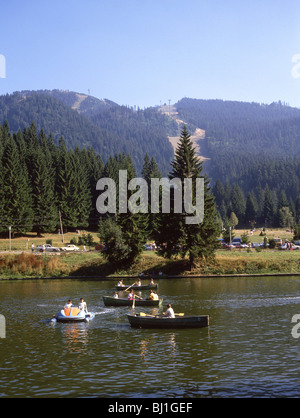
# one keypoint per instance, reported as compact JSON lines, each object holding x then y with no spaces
{"x":82,"y":305}
{"x":169,"y":312}
{"x":68,"y":304}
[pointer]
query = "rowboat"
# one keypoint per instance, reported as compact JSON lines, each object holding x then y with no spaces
{"x":136,"y":287}
{"x":111,"y":301}
{"x":150,"y":321}
{"x":73,"y":315}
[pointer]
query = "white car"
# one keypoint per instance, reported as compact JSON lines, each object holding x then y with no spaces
{"x":47,"y":247}
{"x":70,"y":247}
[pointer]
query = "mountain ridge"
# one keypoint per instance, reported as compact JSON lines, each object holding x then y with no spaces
{"x":227,"y":132}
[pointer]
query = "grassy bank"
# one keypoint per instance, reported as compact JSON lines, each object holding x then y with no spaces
{"x":21,"y":263}
{"x":93,"y":264}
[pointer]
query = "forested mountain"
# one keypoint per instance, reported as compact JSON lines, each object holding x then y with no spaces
{"x":255,"y":147}
{"x":253,"y":153}
{"x":85,"y":121}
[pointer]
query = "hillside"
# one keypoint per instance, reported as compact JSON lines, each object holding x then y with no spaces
{"x":234,"y":139}
{"x":85,"y":121}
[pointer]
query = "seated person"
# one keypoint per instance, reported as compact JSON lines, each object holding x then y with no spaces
{"x":68,"y":304}
{"x":155,"y":296}
{"x":151,"y":295}
{"x":116,"y":296}
{"x":169,"y":312}
{"x":131,"y":295}
{"x":82,"y":305}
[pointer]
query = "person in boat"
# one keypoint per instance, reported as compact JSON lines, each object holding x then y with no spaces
{"x":169,"y":312}
{"x":131,"y":295}
{"x":120,"y":283}
{"x":116,"y":296}
{"x":151,"y":295}
{"x":139,"y":283}
{"x":151,"y":281}
{"x":82,"y":305}
{"x":68,"y":304}
{"x":155,"y":295}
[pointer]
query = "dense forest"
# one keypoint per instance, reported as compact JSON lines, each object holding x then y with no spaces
{"x":253,"y":155}
{"x":252,"y":150}
{"x":103,"y":125}
{"x":39,"y":181}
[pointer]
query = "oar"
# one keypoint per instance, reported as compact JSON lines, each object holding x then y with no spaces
{"x":133,"y":303}
{"x":136,"y":296}
{"x":143,"y":314}
{"x":130,"y":286}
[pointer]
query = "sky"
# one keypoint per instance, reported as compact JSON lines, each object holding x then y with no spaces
{"x":150,"y":52}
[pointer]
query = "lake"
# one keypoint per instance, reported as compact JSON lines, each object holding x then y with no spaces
{"x":247,"y":351}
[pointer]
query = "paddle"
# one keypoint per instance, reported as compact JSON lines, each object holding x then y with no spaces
{"x":136,"y":296}
{"x":153,"y":316}
{"x":130,"y":286}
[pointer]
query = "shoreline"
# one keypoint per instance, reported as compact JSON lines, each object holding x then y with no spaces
{"x":171,"y":277}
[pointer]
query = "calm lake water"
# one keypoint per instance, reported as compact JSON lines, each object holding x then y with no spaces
{"x":247,"y":351}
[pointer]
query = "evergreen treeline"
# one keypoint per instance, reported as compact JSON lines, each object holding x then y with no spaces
{"x":263,"y":206}
{"x":249,"y":144}
{"x":39,"y":179}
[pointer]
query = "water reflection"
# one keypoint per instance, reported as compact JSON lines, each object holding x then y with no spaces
{"x":75,"y":338}
{"x":150,"y":346}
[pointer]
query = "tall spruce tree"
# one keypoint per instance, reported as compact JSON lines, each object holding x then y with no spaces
{"x":150,"y":171}
{"x":65,"y":183}
{"x":16,"y":190}
{"x":197,"y":241}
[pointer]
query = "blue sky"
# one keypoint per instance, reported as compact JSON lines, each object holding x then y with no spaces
{"x":147,"y":52}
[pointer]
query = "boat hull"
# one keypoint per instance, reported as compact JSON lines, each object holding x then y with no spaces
{"x":137,"y":321}
{"x":73,"y":315}
{"x":135,"y":287}
{"x":111,"y":301}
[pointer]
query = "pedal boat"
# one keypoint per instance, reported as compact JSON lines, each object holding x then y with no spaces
{"x":74,"y":315}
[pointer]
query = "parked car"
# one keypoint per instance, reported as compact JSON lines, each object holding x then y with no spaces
{"x":47,"y":247}
{"x":70,"y":247}
{"x":287,"y":247}
{"x":228,"y":246}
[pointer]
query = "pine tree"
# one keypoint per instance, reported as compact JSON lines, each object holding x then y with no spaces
{"x":150,"y":171}
{"x":82,"y":192}
{"x":66,"y":187}
{"x":251,"y":210}
{"x":198,"y":241}
{"x":16,"y":190}
{"x":43,"y":182}
{"x":268,"y":208}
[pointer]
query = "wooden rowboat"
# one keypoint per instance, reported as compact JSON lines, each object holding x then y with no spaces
{"x":135,"y":287}
{"x":151,"y":321}
{"x":111,"y":301}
